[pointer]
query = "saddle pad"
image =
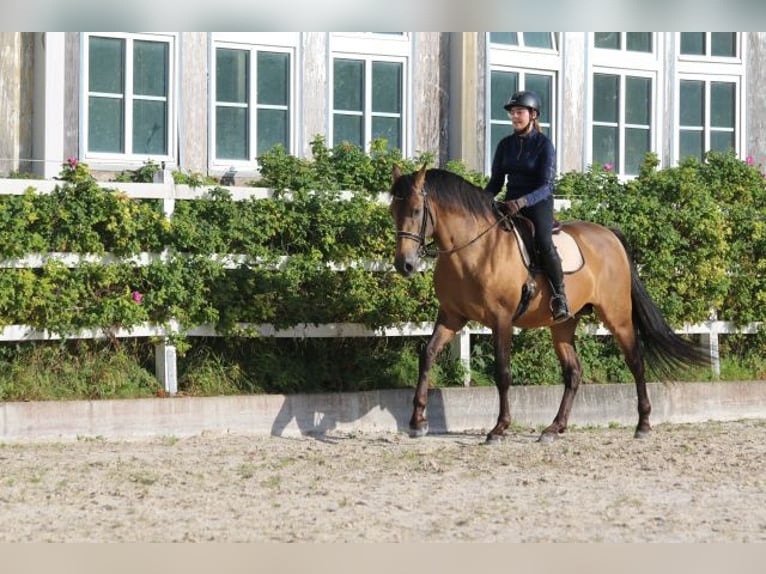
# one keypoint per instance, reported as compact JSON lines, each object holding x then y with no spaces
{"x":571,"y":256}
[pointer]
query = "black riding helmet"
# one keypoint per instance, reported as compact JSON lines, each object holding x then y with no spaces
{"x":525,"y":99}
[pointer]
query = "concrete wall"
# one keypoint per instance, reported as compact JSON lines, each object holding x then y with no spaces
{"x":453,"y":410}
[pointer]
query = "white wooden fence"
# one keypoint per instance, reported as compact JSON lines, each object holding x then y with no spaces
{"x":165,"y":352}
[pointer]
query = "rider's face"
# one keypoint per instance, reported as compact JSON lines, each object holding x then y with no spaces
{"x":520,"y":117}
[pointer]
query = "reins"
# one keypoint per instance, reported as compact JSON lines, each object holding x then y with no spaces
{"x":423,"y":249}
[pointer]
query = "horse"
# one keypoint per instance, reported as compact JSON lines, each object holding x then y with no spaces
{"x":480,"y":276}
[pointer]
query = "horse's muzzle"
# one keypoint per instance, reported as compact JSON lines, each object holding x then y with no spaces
{"x":406,"y":263}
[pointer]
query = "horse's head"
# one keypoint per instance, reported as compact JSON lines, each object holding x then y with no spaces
{"x":412,"y":217}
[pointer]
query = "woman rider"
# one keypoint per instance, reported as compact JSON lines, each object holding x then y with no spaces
{"x":528,"y":160}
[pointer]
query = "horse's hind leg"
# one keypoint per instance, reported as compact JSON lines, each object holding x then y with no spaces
{"x":571,"y":371}
{"x":444,"y":331}
{"x":625,"y":334}
{"x":628,"y":342}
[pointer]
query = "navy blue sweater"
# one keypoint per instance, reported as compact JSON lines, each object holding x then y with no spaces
{"x":530,"y":164}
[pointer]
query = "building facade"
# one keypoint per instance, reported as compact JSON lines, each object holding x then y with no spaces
{"x":210,"y":103}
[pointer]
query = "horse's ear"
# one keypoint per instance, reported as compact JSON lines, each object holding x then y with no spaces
{"x":396,"y":173}
{"x":420,"y":176}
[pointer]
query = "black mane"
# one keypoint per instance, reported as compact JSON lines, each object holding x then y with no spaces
{"x":449,"y":190}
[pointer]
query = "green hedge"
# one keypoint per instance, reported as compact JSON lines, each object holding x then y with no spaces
{"x":697,"y":230}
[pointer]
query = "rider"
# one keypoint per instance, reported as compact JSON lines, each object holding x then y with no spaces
{"x":528,"y":159}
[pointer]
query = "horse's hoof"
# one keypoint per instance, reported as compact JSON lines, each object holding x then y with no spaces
{"x":419,"y":432}
{"x":547,"y":438}
{"x":494,"y":438}
{"x":642,"y":434}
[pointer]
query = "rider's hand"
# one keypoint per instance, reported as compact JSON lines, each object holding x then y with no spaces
{"x":513,"y":206}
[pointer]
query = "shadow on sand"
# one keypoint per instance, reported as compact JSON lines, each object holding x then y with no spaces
{"x":386,"y":410}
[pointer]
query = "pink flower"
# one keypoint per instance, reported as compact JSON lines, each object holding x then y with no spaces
{"x":72,"y":161}
{"x":749,"y":160}
{"x":137,"y":297}
{"x":608,"y":166}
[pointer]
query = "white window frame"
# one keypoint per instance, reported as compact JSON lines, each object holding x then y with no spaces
{"x":623,"y":63}
{"x":622,"y":125}
{"x":707,"y":58}
{"x":711,"y":69}
{"x":128,"y":159}
{"x":523,"y":60}
{"x":373,"y":47}
{"x":283,"y":42}
{"x":707,"y":129}
{"x":522,"y":47}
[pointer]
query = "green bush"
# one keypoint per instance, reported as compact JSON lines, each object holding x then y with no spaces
{"x":697,"y":233}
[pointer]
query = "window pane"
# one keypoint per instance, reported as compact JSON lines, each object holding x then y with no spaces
{"x":150,"y":68}
{"x":691,"y":144}
{"x":349,"y":129}
{"x":722,"y":105}
{"x":231,"y":133}
{"x":636,"y":146}
{"x":387,"y":87}
{"x":609,"y":40}
{"x":273,"y":129}
{"x":605,"y":145}
{"x":149,"y":127}
{"x":273,"y":78}
{"x":105,"y":121}
{"x":723,"y":44}
{"x":348,"y":85}
{"x":639,"y":41}
{"x":502,"y":86}
{"x":638,"y":100}
{"x":693,"y":43}
{"x":606,"y":90}
{"x":509,"y":38}
{"x":106,"y":65}
{"x":692,"y":103}
{"x":721,"y":141}
{"x":538,"y":39}
{"x":231,"y":75}
{"x":543,"y":86}
{"x":389,"y":129}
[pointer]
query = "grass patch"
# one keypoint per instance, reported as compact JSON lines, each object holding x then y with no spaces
{"x":77,"y":370}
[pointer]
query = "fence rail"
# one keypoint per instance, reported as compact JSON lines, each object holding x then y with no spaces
{"x":165,"y":352}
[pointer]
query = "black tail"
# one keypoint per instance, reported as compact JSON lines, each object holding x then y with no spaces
{"x":665,"y":350}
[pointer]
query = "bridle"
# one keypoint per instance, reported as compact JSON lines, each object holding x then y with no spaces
{"x":421,"y":236}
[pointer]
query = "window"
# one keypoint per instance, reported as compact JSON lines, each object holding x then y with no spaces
{"x":520,"y":61}
{"x":709,"y":44}
{"x":622,"y":120}
{"x":708,"y":116}
{"x":630,"y":41}
{"x":129,"y":95}
{"x":367,"y":101}
{"x":543,"y":40}
{"x":370,"y":94}
{"x":505,"y":83}
{"x":710,"y":75}
{"x":252,"y":102}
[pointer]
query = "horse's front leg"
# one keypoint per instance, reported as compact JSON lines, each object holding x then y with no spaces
{"x":502,"y":340}
{"x":444,"y":332}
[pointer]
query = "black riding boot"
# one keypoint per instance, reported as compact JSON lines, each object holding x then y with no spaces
{"x":551,"y":263}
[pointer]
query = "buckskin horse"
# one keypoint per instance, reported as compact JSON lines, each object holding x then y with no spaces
{"x":481,"y":275}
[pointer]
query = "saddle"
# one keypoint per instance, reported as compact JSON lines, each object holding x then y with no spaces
{"x":571,"y":256}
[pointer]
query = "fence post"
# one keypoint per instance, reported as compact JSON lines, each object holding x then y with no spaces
{"x":166,"y":372}
{"x":460,"y":348}
{"x":710,"y":340}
